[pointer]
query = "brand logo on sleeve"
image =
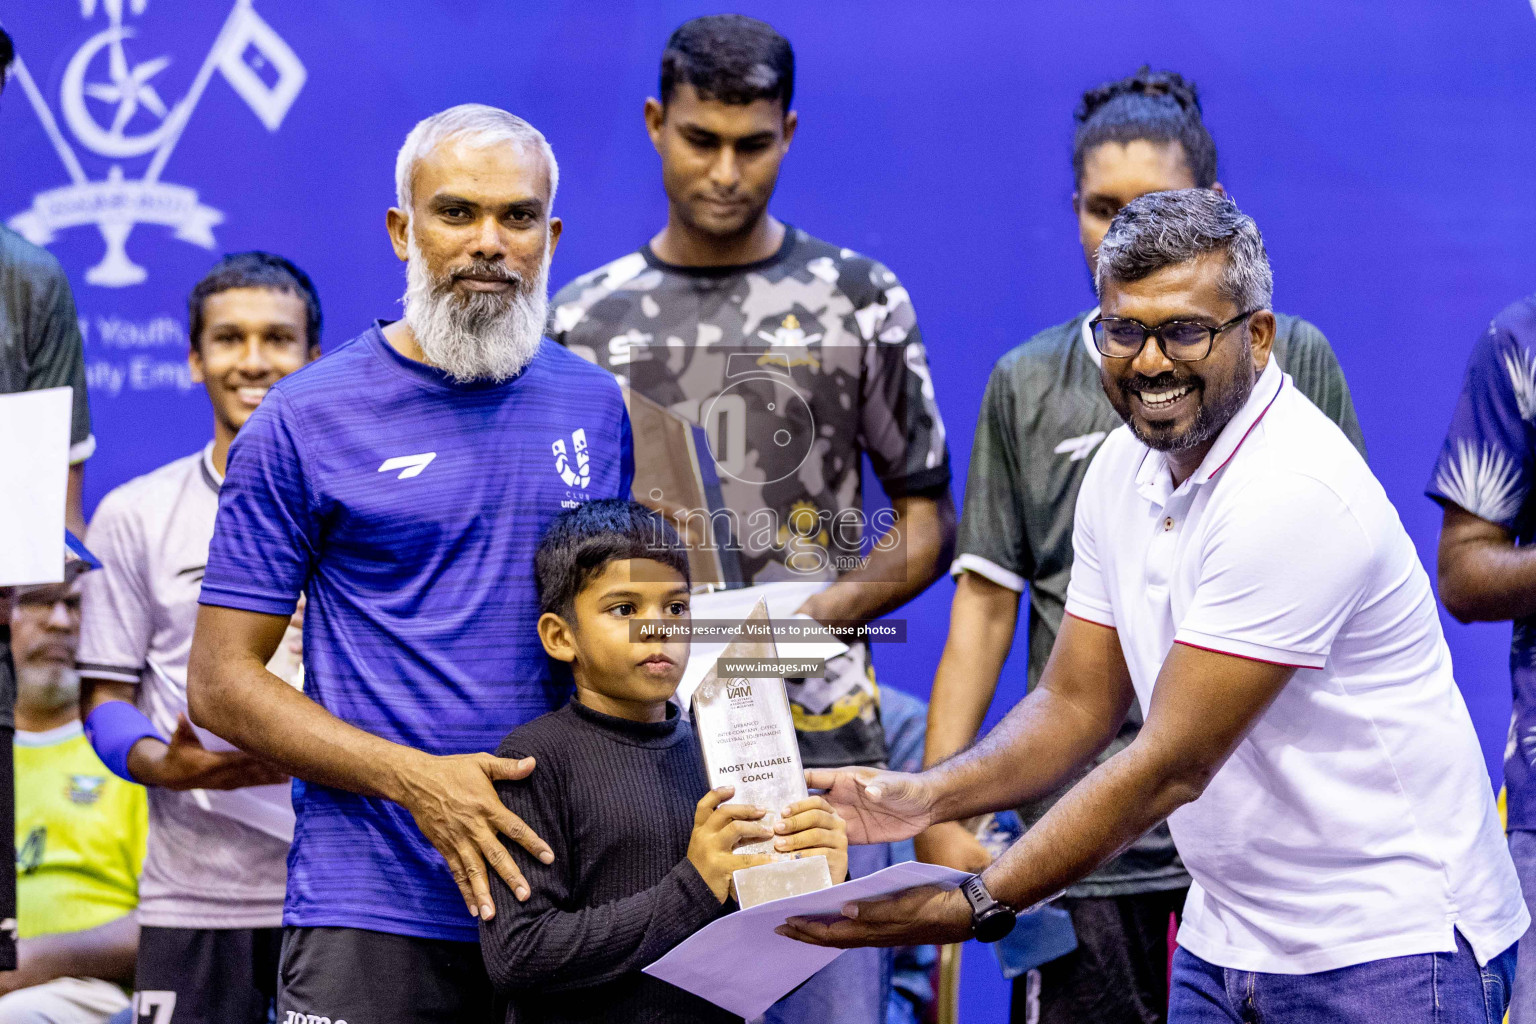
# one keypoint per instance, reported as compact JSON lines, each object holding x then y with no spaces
{"x":574,"y":464}
{"x":408,"y":465}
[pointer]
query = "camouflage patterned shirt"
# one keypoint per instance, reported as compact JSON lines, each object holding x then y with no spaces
{"x":796,"y":366}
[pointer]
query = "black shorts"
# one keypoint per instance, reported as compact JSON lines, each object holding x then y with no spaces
{"x":7,"y":795}
{"x":336,"y":975}
{"x":206,"y":975}
{"x":1118,"y":974}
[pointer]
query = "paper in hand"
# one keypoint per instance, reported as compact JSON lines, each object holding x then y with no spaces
{"x":34,"y":463}
{"x":739,"y":963}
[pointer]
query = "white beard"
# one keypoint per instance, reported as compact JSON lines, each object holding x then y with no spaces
{"x":487,"y":336}
{"x":47,"y":688}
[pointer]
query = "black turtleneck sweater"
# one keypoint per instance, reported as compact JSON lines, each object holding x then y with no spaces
{"x":614,"y":799}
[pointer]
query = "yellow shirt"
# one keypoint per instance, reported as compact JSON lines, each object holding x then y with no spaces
{"x":80,"y":833}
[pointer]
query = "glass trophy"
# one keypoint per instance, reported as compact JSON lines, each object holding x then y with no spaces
{"x":748,"y":737}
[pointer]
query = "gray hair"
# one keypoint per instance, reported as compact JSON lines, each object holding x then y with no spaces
{"x":475,"y":124}
{"x":1163,"y":229}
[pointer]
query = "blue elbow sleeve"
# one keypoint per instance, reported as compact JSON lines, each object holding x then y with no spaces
{"x":113,"y":728}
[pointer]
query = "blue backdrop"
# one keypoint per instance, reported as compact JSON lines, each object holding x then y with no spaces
{"x":1385,"y":150}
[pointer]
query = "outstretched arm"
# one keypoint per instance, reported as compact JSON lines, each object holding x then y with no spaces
{"x":1202,"y":707}
{"x":1073,"y":713}
{"x":182,"y":762}
{"x":230,"y":691}
{"x":120,"y":613}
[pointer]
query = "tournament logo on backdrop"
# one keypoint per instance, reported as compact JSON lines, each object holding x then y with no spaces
{"x":114,"y":108}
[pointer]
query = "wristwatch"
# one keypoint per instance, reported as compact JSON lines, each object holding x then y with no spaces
{"x":990,"y":919}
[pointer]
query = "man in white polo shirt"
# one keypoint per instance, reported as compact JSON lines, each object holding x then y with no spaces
{"x":1240,"y":572}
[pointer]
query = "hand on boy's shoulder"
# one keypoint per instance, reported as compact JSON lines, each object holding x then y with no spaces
{"x":526,"y":796}
{"x":516,"y":794}
{"x":535,"y":798}
{"x":541,"y":739}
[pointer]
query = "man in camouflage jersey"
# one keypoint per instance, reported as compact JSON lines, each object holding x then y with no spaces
{"x":791,"y":393}
{"x":798,"y":358}
{"x":1043,"y":417}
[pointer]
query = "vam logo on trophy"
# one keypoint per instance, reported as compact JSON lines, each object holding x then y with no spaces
{"x":113,"y":108}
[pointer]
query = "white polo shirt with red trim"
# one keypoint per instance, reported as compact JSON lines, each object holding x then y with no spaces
{"x":1356,"y":820}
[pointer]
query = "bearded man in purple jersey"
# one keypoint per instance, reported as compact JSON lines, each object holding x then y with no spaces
{"x":401,"y":484}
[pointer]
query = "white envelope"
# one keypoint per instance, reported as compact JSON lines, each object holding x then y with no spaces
{"x":739,"y":963}
{"x":34,"y":463}
{"x":268,"y":808}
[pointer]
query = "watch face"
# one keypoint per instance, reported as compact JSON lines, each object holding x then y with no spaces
{"x":994,"y":926}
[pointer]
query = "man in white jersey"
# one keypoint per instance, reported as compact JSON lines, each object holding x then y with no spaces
{"x":212,"y":893}
{"x":1239,"y":572}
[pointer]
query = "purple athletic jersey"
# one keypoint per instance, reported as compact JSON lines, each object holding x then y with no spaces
{"x":1488,"y":468}
{"x":408,"y":509}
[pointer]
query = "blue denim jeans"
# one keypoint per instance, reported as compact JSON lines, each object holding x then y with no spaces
{"x":1428,"y":988}
{"x":1522,"y":1003}
{"x":854,"y":988}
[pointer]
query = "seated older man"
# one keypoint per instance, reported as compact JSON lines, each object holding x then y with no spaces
{"x":80,"y":835}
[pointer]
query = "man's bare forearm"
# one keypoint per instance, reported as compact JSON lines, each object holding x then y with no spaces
{"x":982,"y":619}
{"x":1484,"y":575}
{"x":74,"y":501}
{"x":1501,"y":585}
{"x":1072,"y":713}
{"x":230,"y":692}
{"x":108,"y":952}
{"x":913,"y":553}
{"x":1042,"y":742}
{"x":1202,"y":706}
{"x":1115,"y":805}
{"x":96,"y":692}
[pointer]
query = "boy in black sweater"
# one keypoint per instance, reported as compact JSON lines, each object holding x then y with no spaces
{"x":641,"y":862}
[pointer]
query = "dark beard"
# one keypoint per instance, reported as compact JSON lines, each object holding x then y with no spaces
{"x":1213,"y":416}
{"x":1209,"y":421}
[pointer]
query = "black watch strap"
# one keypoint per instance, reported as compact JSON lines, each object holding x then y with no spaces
{"x":990,"y":919}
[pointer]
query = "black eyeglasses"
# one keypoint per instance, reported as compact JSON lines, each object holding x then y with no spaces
{"x":1183,"y":341}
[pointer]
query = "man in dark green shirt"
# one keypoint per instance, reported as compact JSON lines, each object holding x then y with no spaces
{"x":40,"y":345}
{"x":1043,"y":417}
{"x":39,"y":348}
